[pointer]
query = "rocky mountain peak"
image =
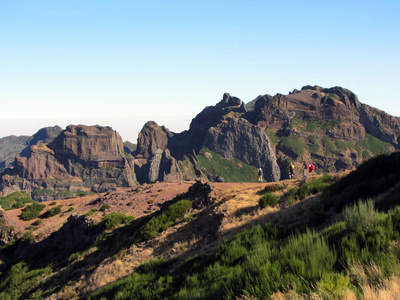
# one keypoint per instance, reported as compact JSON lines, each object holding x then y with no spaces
{"x":151,"y":138}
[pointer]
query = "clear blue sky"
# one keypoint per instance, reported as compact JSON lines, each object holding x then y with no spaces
{"x":121,"y":63}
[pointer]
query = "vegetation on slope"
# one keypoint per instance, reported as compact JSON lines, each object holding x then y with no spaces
{"x":15,"y":200}
{"x":267,"y":259}
{"x":231,"y":170}
{"x":259,"y":262}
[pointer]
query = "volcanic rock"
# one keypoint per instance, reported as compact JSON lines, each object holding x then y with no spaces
{"x":237,"y":138}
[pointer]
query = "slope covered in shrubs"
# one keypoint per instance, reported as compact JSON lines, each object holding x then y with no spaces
{"x":268,"y":259}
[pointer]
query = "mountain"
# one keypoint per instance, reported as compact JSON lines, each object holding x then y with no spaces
{"x":326,"y":126}
{"x":226,"y":142}
{"x":19,"y":145}
{"x":80,"y":158}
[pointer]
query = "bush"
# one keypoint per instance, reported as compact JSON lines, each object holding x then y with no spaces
{"x":115,"y":219}
{"x":268,"y":199}
{"x":371,"y":178}
{"x":104,"y":207}
{"x":309,"y":188}
{"x":52,"y":212}
{"x":360,"y":217}
{"x":31,"y":211}
{"x":70,"y":209}
{"x":164,"y":220}
{"x":90,"y":212}
{"x":15,"y":200}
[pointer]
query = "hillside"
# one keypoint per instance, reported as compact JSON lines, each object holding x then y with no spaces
{"x":204,"y":246}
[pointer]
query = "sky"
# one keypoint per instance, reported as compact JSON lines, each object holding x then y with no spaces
{"x":121,"y":63}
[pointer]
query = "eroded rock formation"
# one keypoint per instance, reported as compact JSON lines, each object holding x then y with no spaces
{"x":81,"y":157}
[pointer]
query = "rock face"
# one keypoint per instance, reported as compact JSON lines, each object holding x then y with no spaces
{"x":211,"y":116}
{"x":326,"y":126}
{"x":80,"y":157}
{"x":161,"y":154}
{"x":151,"y":138}
{"x":237,"y":138}
{"x":12,"y":146}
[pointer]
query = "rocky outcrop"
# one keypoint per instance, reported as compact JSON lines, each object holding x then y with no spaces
{"x":12,"y":146}
{"x":101,"y":146}
{"x":237,"y":138}
{"x":81,"y":157}
{"x":380,"y":124}
{"x":211,"y":116}
{"x":152,"y":138}
{"x":311,"y":103}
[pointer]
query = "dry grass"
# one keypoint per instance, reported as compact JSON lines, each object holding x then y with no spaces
{"x":368,"y":277}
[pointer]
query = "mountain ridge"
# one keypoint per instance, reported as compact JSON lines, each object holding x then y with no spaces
{"x":326,"y":126}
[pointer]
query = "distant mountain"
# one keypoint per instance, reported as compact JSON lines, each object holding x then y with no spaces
{"x":11,"y":146}
{"x":80,"y":158}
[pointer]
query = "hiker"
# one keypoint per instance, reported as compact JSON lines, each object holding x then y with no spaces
{"x":311,"y":168}
{"x":305,"y":169}
{"x":291,"y":170}
{"x":260,"y":175}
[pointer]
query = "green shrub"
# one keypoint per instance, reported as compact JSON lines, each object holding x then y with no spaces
{"x":309,"y":188}
{"x":90,"y":212}
{"x":70,"y":209}
{"x":104,"y":207}
{"x":53,"y":203}
{"x":52,"y":212}
{"x":32,"y":211}
{"x":21,"y":278}
{"x":115,"y":219}
{"x":165,"y":220}
{"x":371,"y":178}
{"x":15,"y":200}
{"x":360,"y":217}
{"x":268,"y":199}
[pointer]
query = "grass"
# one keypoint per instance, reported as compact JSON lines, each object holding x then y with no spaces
{"x":104,"y":207}
{"x":268,"y":199}
{"x":15,"y":200}
{"x":19,"y":280}
{"x":309,"y":188}
{"x":374,"y":146}
{"x":115,"y":219}
{"x":165,"y":220}
{"x":232,"y":170}
{"x":294,"y":144}
{"x":90,"y":212}
{"x":266,"y":259}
